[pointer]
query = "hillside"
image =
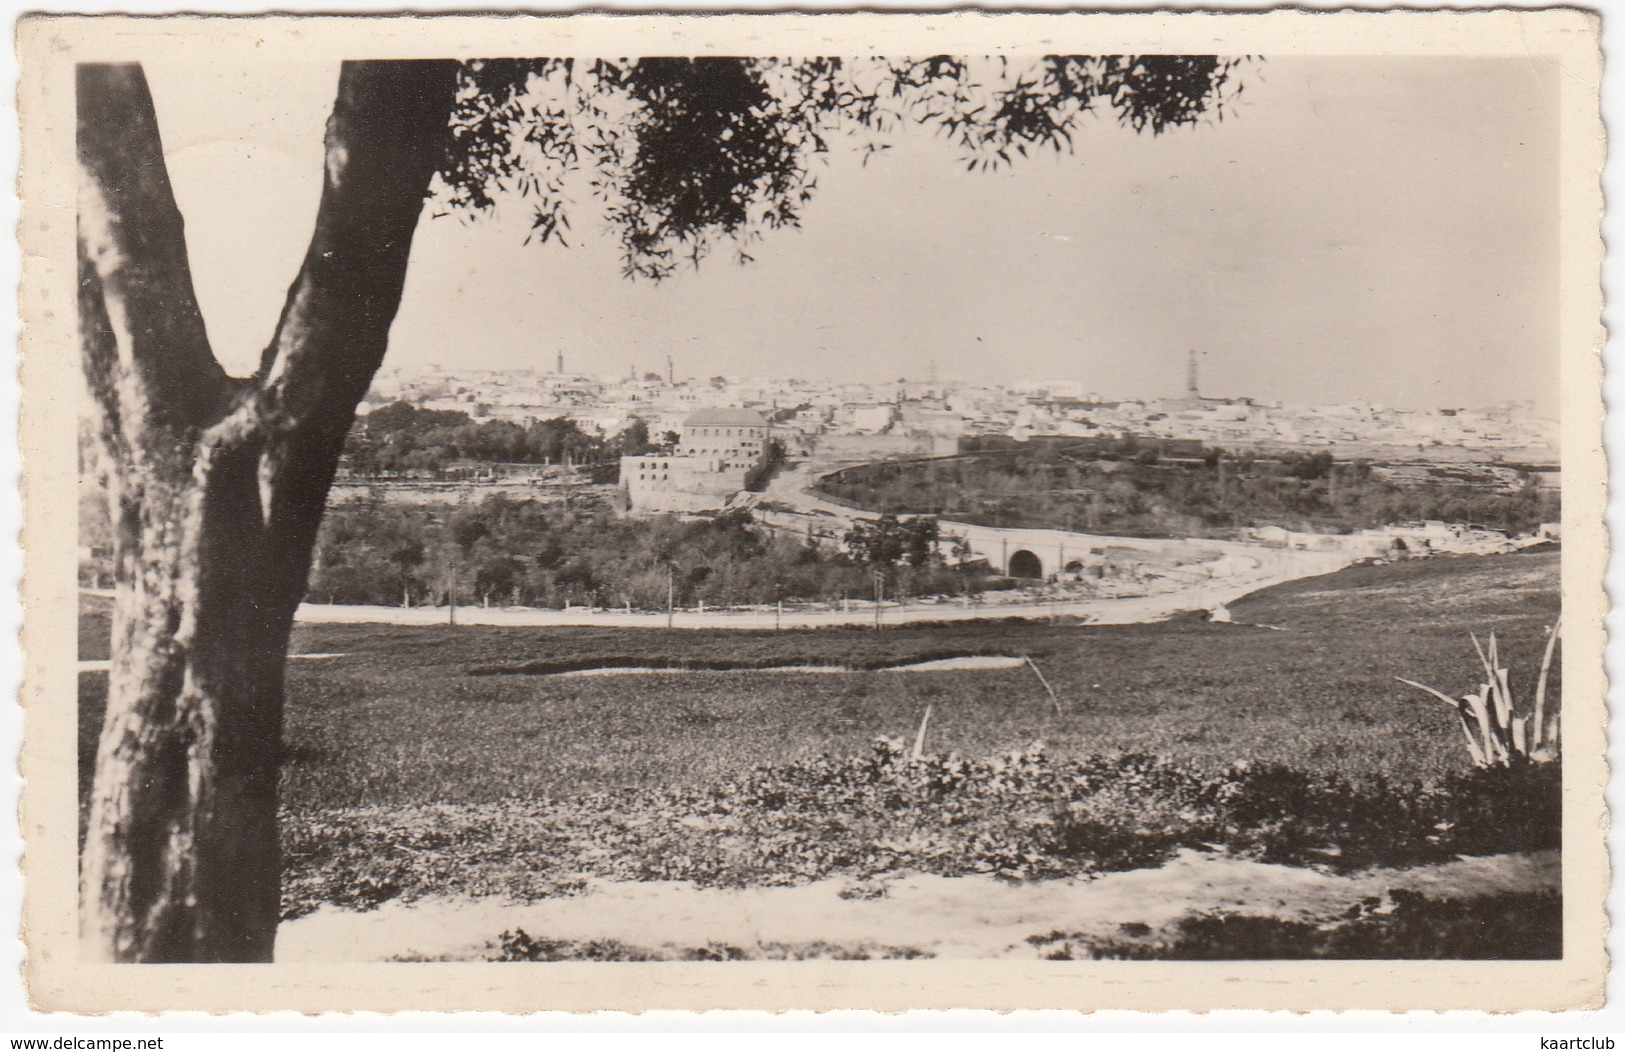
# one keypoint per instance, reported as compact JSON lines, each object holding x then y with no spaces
{"x":1054,"y":486}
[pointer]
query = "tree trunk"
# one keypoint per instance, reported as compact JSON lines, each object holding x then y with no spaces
{"x":217,"y":487}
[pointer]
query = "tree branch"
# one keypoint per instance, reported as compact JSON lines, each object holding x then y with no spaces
{"x":385,"y":140}
{"x":146,"y":352}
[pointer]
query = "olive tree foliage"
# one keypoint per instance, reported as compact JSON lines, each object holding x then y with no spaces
{"x":217,"y":483}
{"x":682,"y":154}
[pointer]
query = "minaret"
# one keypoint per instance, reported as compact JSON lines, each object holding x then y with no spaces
{"x":670,"y":373}
{"x":560,"y":369}
{"x":1191,"y":390}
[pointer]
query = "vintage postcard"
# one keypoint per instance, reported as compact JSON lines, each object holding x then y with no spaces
{"x":833,"y":512}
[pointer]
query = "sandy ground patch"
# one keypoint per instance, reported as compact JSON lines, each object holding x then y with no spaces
{"x":957,"y":664}
{"x":948,"y":917}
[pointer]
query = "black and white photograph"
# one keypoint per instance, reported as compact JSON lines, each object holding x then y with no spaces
{"x":817,"y":504}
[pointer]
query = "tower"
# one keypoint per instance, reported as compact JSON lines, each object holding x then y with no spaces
{"x":669,"y":372}
{"x":1191,"y":390}
{"x":560,"y":369}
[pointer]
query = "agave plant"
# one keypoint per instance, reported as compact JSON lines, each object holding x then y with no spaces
{"x":1498,"y":733}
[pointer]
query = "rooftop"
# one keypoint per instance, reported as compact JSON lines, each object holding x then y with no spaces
{"x":725,"y":418}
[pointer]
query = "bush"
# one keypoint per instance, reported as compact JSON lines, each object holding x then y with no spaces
{"x":1495,"y":810}
{"x":1280,"y":814}
{"x":1408,"y":926}
{"x":517,"y":945}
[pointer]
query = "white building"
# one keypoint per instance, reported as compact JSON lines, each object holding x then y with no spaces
{"x":719,"y":452}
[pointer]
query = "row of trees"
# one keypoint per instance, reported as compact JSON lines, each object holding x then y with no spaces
{"x":405,"y":439}
{"x":1049,"y":486}
{"x":508,"y":552}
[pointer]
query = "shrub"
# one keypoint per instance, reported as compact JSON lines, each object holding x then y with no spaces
{"x":1282,"y":814}
{"x":1498,"y":810}
{"x":518,"y":945}
{"x":1409,"y":926}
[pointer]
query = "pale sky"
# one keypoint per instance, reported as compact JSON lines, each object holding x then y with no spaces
{"x":1357,"y":230}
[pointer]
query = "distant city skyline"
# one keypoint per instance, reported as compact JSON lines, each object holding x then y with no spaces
{"x":679,"y":378}
{"x":1356,"y":230}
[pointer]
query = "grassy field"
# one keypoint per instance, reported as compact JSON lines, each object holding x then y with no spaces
{"x":401,"y":720}
{"x":450,"y":761}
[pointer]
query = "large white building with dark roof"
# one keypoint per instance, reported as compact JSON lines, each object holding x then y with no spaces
{"x":737,"y":435}
{"x":719,"y":452}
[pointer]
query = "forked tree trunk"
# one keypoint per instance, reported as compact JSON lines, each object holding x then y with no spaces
{"x":217,"y":487}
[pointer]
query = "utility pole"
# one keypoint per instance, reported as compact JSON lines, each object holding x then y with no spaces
{"x":880,"y":595}
{"x":671,"y":593}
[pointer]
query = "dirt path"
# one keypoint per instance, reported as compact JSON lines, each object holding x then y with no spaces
{"x":1286,"y":566}
{"x":945,"y":917}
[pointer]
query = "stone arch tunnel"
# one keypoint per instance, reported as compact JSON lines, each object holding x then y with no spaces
{"x":1024,"y":563}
